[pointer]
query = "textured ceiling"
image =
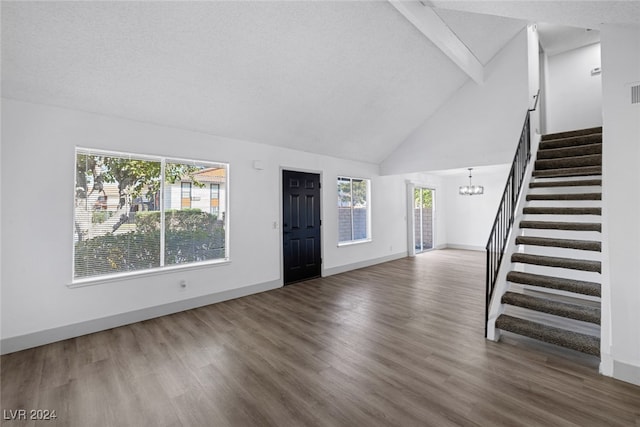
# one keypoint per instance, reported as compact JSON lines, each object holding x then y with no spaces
{"x":575,"y":13}
{"x":347,"y":79}
{"x":556,"y":39}
{"x":471,"y":29}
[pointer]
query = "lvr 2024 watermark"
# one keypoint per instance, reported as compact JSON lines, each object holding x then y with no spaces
{"x":29,"y":414}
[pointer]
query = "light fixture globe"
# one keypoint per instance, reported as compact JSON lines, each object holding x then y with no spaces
{"x":470,"y":190}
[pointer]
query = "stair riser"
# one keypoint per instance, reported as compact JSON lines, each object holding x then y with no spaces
{"x":568,"y":172}
{"x":590,"y":289}
{"x":565,"y":266}
{"x":517,"y":287}
{"x":560,"y":198}
{"x":564,"y":203}
{"x":575,"y":325}
{"x":576,"y":134}
{"x":577,"y":178}
{"x":562,"y":234}
{"x":589,"y":345}
{"x":587,"y":189}
{"x":586,"y":214}
{"x":596,"y":184}
{"x":560,"y":252}
{"x":566,"y":273}
{"x":579,"y":150}
{"x":563,"y":218}
{"x":577,"y":226}
{"x":548,"y":310}
{"x":569,"y":162}
{"x":569,"y":263}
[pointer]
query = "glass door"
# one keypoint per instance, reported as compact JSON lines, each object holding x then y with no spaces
{"x":423,"y":210}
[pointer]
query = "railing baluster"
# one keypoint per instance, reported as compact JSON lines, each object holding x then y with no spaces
{"x":505,"y":216}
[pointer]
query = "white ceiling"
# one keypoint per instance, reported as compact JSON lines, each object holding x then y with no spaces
{"x":575,"y":13}
{"x":347,"y":79}
{"x":556,"y":39}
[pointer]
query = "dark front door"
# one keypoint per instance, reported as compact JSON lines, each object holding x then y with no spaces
{"x":301,"y":225}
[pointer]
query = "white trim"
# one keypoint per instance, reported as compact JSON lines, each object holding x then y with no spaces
{"x":163,"y":160}
{"x":362,"y":264}
{"x":117,"y":277}
{"x":34,"y":339}
{"x":465,"y":247}
{"x":353,"y":242}
{"x":427,"y":21}
{"x":625,"y":371}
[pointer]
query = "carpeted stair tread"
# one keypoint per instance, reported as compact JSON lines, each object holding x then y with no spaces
{"x":574,"y":340}
{"x":550,"y":144}
{"x":557,"y":308}
{"x":569,"y":162}
{"x":570,"y":196}
{"x":584,"y":245}
{"x":567,"y":183}
{"x":568,"y":172}
{"x":561,"y":211}
{"x":576,"y":150}
{"x":551,"y":261}
{"x":559,"y":283}
{"x":555,"y":225}
{"x":572,"y":133}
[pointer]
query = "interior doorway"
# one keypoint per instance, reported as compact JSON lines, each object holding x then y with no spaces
{"x":301,"y":226}
{"x":423,"y":218}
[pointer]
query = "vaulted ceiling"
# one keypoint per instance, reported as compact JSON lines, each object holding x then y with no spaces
{"x":347,"y":79}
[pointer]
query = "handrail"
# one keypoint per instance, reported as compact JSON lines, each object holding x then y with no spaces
{"x":506,"y":210}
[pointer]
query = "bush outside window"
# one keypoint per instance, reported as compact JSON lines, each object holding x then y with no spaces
{"x":138,"y":212}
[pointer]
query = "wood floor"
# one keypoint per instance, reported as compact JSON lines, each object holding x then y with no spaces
{"x":397,"y":344}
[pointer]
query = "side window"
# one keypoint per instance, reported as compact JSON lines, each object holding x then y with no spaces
{"x":353,"y":210}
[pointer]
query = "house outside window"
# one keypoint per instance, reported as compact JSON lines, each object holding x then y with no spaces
{"x":354,"y":222}
{"x":131,"y":213}
{"x":185,"y":197}
{"x":214,"y":198}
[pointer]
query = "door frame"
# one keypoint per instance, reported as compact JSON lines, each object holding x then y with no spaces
{"x":411,"y":240}
{"x":281,"y":213}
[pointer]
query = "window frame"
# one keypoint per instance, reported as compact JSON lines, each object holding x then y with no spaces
{"x":368,"y":238}
{"x":163,"y":268}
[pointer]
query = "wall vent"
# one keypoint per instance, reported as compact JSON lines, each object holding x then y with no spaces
{"x":635,"y":94}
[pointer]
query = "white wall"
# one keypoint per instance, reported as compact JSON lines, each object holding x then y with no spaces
{"x":574,"y":96}
{"x":470,"y":218}
{"x":37,"y":176}
{"x":621,"y":201}
{"x":479,"y":125}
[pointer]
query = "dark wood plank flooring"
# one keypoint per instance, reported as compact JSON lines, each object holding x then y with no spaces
{"x":396,"y":344}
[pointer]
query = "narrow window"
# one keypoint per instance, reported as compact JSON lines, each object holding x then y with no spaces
{"x":353,"y":210}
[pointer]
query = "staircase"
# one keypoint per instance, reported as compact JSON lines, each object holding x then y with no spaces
{"x":553,"y":290}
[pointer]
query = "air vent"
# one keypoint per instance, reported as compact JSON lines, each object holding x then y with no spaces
{"x":635,"y":94}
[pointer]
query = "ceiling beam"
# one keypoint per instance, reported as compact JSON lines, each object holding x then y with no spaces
{"x":427,"y":21}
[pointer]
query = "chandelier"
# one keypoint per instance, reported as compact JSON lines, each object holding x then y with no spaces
{"x":470,"y":190}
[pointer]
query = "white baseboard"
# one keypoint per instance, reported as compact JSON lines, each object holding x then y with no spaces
{"x":362,"y":264}
{"x":35,"y":339}
{"x":465,"y":247}
{"x":626,"y":372}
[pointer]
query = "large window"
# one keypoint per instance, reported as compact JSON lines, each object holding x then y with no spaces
{"x":137,"y":212}
{"x":353,"y":210}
